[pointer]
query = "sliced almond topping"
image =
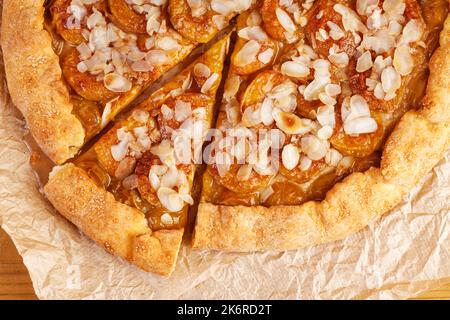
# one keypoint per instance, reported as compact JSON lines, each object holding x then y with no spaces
{"x":167,"y":219}
{"x":364,"y":62}
{"x":412,"y":32}
{"x":332,"y":89}
{"x":170,"y":178}
{"x":251,"y":117}
{"x":344,"y":165}
{"x":326,"y":116}
{"x":231,"y":87}
{"x":285,"y":20}
{"x":364,"y":7}
{"x":314,"y":148}
{"x":202,"y":70}
{"x":350,"y":19}
{"x":131,"y":182}
{"x":336,"y":32}
{"x":359,"y":106}
{"x":266,"y":56}
{"x":117,"y":83}
{"x":291,"y":124}
{"x":390,"y":80}
{"x":168,"y":44}
{"x":326,"y":99}
{"x":125,"y":168}
{"x":254,"y":19}
{"x":253,"y":33}
{"x":247,"y":54}
{"x":140,"y":115}
{"x":403,"y":61}
{"x":333,"y":157}
{"x":305,"y":163}
{"x":157,"y":57}
{"x":266,"y":111}
{"x":209,"y":83}
{"x":183,"y":110}
{"x":170,"y":199}
{"x":339,"y":59}
{"x":290,"y":156}
{"x":378,"y":92}
{"x":394,"y":8}
{"x":220,"y":21}
{"x":360,"y":125}
{"x":166,"y":112}
{"x":223,"y":7}
{"x":120,"y":150}
{"x":294,"y":69}
{"x":325,"y":133}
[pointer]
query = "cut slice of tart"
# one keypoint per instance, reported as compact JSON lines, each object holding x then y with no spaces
{"x":73,"y":65}
{"x":314,"y":90}
{"x":131,"y":190}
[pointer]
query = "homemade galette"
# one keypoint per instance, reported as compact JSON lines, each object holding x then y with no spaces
{"x":329,"y":112}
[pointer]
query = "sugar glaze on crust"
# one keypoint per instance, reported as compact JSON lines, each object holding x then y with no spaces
{"x":418,"y":142}
{"x":35,"y":80}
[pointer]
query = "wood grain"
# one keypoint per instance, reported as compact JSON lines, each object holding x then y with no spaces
{"x":15,"y":281}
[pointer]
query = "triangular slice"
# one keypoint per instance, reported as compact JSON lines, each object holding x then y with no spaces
{"x":313,"y":91}
{"x":131,"y":190}
{"x":73,"y":65}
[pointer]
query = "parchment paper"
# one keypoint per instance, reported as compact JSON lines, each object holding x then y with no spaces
{"x":399,"y":256}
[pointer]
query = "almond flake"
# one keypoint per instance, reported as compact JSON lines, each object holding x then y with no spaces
{"x":170,"y":199}
{"x":266,"y":56}
{"x":285,"y":20}
{"x":364,"y":62}
{"x":403,"y":61}
{"x":290,"y":156}
{"x":314,"y":148}
{"x":201,"y":70}
{"x":247,"y":54}
{"x":360,"y":125}
{"x":294,"y":69}
{"x":117,"y":83}
{"x":209,"y":83}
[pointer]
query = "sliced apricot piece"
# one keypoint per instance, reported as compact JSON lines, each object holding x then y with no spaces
{"x":300,"y":176}
{"x":60,"y":15}
{"x":126,"y":18}
{"x":254,"y":183}
{"x":359,"y":145}
{"x":195,"y":101}
{"x":321,"y":16}
{"x":271,"y":13}
{"x":258,"y":88}
{"x":84,"y":84}
{"x":200,"y":28}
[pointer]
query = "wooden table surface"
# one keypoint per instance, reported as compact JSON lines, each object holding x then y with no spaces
{"x":15,"y":281}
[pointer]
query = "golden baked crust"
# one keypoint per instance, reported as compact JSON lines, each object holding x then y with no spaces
{"x":35,"y":80}
{"x":121,"y":230}
{"x":416,"y":145}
